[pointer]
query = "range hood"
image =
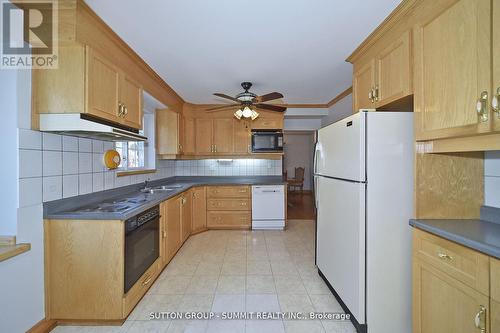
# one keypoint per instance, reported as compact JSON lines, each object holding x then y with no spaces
{"x":86,"y":126}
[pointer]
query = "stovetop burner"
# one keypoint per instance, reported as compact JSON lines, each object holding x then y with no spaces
{"x":116,"y":206}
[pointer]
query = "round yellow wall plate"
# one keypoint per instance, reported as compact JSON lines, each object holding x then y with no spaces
{"x":112,"y":159}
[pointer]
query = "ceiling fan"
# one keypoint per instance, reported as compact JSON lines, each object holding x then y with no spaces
{"x":248,"y":102}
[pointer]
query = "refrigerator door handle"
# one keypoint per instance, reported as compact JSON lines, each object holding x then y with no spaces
{"x":315,"y":158}
{"x":316,"y":193}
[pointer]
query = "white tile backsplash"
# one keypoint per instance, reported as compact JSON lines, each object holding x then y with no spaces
{"x":30,"y":163}
{"x":52,"y":163}
{"x":52,"y":188}
{"x":98,"y":182}
{"x":70,"y":143}
{"x":70,"y":163}
{"x":70,"y":185}
{"x":51,"y":141}
{"x":73,"y":166}
{"x":29,"y":139}
{"x":85,"y":162}
{"x":85,"y":145}
{"x":84,"y":183}
{"x":492,"y":178}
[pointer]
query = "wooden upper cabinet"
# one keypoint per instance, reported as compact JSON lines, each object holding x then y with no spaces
{"x":204,"y":141}
{"x":188,"y":145}
{"x":363,"y":85}
{"x":394,"y":69}
{"x":167,"y":133}
{"x":452,"y":68}
{"x":268,"y":122}
{"x":496,"y":61}
{"x":131,"y":98}
{"x":199,"y":218}
{"x":241,"y":136}
{"x":223,"y":136}
{"x":443,"y":304}
{"x":103,"y":81}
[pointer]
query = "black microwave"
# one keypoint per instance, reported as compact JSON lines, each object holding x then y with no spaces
{"x":267,"y":141}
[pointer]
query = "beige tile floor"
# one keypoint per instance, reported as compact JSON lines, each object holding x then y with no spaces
{"x":252,"y":271}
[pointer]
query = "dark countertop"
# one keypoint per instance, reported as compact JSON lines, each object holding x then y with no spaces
{"x":66,"y":208}
{"x":482,"y":234}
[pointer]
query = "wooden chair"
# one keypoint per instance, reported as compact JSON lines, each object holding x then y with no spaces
{"x":298,"y":180}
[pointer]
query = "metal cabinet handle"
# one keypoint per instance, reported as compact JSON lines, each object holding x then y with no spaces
{"x":445,"y":256}
{"x":495,"y":102}
{"x":164,"y":234}
{"x":482,"y":107}
{"x":125,"y":110}
{"x":215,"y":149}
{"x":370,"y":95}
{"x":147,"y":280}
{"x":478,"y":319}
{"x":243,"y":203}
{"x":375,"y":94}
{"x":120,"y":109}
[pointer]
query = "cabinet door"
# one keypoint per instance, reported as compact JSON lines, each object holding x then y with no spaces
{"x":442,"y":304}
{"x":167,"y":135}
{"x":495,"y":316}
{"x":131,"y":97}
{"x":103,"y":80}
{"x":223,"y":136}
{"x":188,"y":147}
{"x":187,"y":208}
{"x":163,"y":235}
{"x":265,"y":122}
{"x":241,"y":135}
{"x":496,"y":60}
{"x":199,"y":219}
{"x":362,"y":85}
{"x":173,"y":210}
{"x":394,"y":71}
{"x":204,"y":142}
{"x":452,"y":69}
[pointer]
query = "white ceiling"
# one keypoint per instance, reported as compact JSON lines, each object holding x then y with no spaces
{"x":296,"y":47}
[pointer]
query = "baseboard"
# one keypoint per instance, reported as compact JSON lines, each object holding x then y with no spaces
{"x":43,"y":326}
{"x":360,"y":328}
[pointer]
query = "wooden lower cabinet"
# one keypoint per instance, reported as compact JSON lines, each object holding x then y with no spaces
{"x":172,"y":213}
{"x":135,"y":294}
{"x":495,"y":316}
{"x":199,"y":218}
{"x":186,"y":215}
{"x":443,"y":304}
{"x":229,"y":192}
{"x":229,"y":204}
{"x":229,"y":219}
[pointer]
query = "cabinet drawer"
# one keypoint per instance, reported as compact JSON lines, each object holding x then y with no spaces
{"x":229,"y":204}
{"x":229,"y":192}
{"x":495,"y":279}
{"x":227,"y":219}
{"x":466,"y":265}
{"x":142,"y":285}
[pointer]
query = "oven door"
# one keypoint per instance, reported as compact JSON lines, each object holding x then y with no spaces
{"x":267,"y":142}
{"x":142,"y":248}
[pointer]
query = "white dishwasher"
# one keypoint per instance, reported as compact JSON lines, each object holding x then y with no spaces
{"x":268,"y":207}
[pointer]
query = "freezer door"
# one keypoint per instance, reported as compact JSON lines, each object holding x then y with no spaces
{"x":340,"y":150}
{"x":341,"y":240}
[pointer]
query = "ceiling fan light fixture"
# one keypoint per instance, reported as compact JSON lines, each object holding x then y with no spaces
{"x":238,"y":114}
{"x":247,"y":112}
{"x":255,"y":114}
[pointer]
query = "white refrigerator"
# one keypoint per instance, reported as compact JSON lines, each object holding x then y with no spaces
{"x":363,"y":177}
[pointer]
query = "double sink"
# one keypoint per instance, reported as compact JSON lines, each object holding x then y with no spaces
{"x":159,"y":189}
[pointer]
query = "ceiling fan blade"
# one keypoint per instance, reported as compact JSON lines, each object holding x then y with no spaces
{"x":268,"y":97}
{"x":227,"y":97}
{"x":275,"y":108}
{"x":222,"y":107}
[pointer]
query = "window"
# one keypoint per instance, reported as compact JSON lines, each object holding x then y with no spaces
{"x":139,"y":155}
{"x":132,"y":154}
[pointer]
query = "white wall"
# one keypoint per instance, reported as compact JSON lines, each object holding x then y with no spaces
{"x":299,"y":153}
{"x":21,"y":278}
{"x":301,"y":124}
{"x":492,"y":179}
{"x":339,"y":110}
